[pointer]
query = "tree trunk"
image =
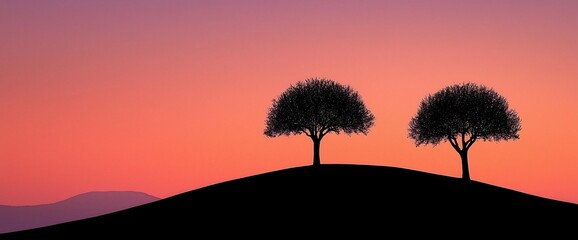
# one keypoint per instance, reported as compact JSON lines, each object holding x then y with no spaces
{"x":316,"y":144}
{"x":465,"y":167}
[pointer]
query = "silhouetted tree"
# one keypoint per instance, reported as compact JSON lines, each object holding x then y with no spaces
{"x":316,"y":107}
{"x":462,"y":114}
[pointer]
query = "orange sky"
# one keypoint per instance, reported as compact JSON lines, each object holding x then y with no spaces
{"x":168,"y":96}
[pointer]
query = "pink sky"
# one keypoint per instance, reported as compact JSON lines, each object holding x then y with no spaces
{"x":165,"y":97}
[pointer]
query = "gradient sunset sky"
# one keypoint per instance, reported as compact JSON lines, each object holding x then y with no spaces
{"x":165,"y":97}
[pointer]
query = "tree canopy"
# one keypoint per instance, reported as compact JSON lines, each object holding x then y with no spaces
{"x":462,"y":114}
{"x":316,"y":107}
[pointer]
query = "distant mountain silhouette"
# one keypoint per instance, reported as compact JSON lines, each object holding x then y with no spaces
{"x":86,"y":205}
{"x":331,"y":200}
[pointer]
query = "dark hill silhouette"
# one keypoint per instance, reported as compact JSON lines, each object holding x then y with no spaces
{"x":331,"y":200}
{"x":85,"y":205}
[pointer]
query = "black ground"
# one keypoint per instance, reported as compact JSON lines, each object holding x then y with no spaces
{"x":332,"y":200}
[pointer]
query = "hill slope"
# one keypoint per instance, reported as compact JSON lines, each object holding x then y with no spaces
{"x":85,"y":205}
{"x":330,"y":200}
